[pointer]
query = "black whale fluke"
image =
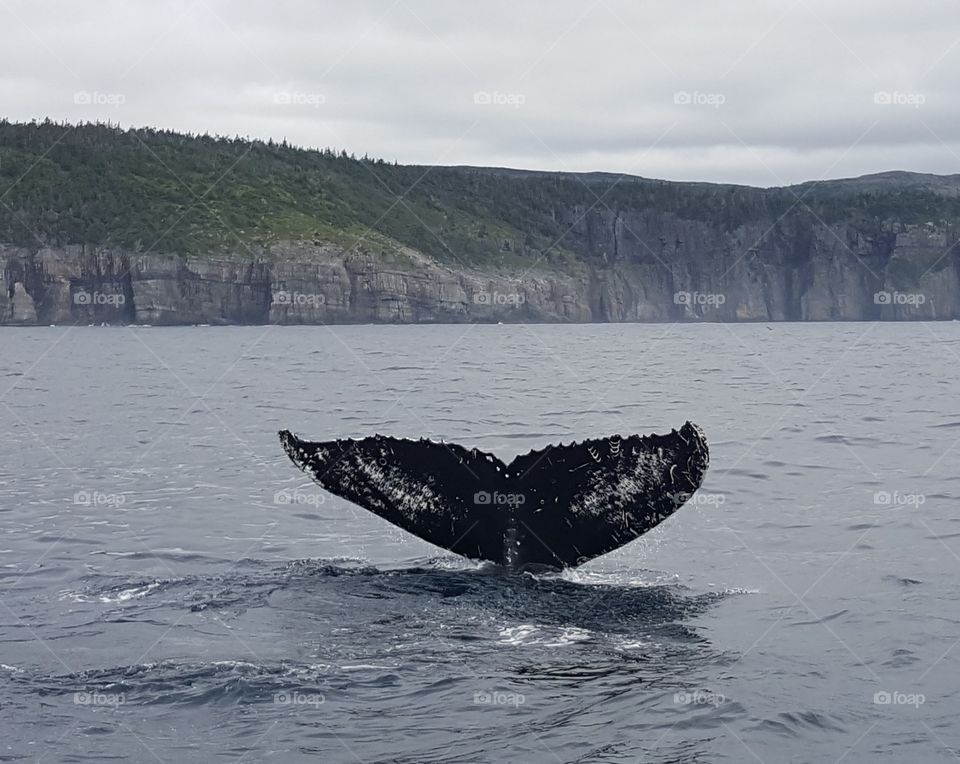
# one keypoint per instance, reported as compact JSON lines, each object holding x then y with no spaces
{"x":558,"y":507}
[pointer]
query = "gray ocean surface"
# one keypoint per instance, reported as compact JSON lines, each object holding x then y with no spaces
{"x":173,"y":589}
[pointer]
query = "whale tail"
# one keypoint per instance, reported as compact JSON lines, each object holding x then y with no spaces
{"x":558,"y":507}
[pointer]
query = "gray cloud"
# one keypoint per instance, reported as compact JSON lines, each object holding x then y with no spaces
{"x":752,"y":92}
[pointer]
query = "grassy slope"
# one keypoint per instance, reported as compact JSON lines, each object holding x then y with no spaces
{"x":167,"y":192}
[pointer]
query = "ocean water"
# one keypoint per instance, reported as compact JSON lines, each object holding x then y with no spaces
{"x":173,"y":589}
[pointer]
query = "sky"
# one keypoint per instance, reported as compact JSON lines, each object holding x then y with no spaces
{"x":763,"y":93}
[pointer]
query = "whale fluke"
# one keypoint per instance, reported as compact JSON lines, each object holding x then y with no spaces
{"x":558,"y":507}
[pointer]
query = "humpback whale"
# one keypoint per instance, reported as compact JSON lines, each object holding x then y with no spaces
{"x":557,"y":507}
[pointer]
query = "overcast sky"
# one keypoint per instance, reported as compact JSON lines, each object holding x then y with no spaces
{"x":754,"y":91}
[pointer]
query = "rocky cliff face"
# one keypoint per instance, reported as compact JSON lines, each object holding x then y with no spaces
{"x":643,"y":266}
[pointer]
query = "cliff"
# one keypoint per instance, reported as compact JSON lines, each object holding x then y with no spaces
{"x":305,"y":237}
{"x":827,"y":273}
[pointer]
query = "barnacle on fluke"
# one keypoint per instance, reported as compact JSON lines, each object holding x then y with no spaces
{"x":559,"y":506}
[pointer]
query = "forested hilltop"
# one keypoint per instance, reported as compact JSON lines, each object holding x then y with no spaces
{"x":98,"y":184}
{"x":604,"y":246}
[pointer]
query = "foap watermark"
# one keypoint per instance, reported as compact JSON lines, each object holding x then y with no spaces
{"x":497,"y":499}
{"x":83,"y":297}
{"x":712,"y":299}
{"x":299,"y":699}
{"x":699,"y":498}
{"x":897,"y":499}
{"x":98,"y":499}
{"x":496,"y":98}
{"x":899,"y":298}
{"x":894,"y":698}
{"x":498,"y":698}
{"x":698,"y":698}
{"x":299,"y":98}
{"x":96,"y":98}
{"x":696,"y":98}
{"x":296,"y":496}
{"x":290,"y":299}
{"x":512,"y":299}
{"x":96,"y":698}
{"x":896,"y":98}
